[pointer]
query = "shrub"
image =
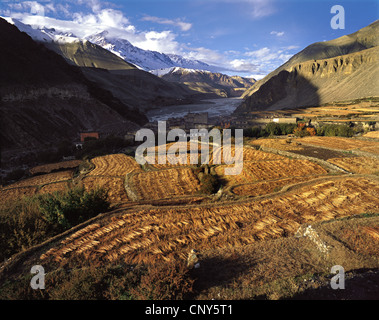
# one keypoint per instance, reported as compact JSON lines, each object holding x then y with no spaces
{"x":277,"y":129}
{"x":74,"y":206}
{"x":165,"y":281}
{"x":33,"y":220}
{"x":209,"y":184}
{"x":335,"y":130}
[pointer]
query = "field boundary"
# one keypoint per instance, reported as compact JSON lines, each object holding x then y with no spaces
{"x":331,"y":167}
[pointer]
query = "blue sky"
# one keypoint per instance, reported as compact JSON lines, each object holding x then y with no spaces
{"x":245,"y":37}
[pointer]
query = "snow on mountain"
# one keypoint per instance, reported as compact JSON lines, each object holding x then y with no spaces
{"x":143,"y":59}
{"x":43,"y":34}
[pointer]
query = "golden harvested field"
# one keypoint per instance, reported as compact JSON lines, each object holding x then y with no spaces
{"x":164,"y":184}
{"x":270,"y":170}
{"x":156,"y":234}
{"x":47,"y":168}
{"x":360,"y":165}
{"x":278,"y":144}
{"x":372,"y":134}
{"x":54,"y":187}
{"x":342,"y":143}
{"x":16,"y":193}
{"x":266,"y":187}
{"x":185,"y":160}
{"x":249,"y":154}
{"x":114,"y":165}
{"x":115,"y":187}
{"x":43,"y":179}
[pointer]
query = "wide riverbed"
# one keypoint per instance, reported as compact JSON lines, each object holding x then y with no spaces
{"x":215,"y":107}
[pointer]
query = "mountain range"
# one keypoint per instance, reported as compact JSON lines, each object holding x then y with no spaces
{"x":207,"y":82}
{"x":43,"y":99}
{"x":143,"y":59}
{"x":345,"y":68}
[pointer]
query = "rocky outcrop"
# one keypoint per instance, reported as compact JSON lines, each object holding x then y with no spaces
{"x":341,"y":69}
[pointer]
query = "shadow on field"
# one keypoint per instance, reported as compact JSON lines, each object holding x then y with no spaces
{"x":218,"y":271}
{"x":361,"y":284}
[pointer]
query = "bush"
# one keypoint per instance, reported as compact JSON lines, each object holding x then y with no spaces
{"x":74,"y":206}
{"x":33,"y":220}
{"x":22,"y":226}
{"x":277,"y":129}
{"x":254,"y":132}
{"x":335,"y":130}
{"x":209,"y":184}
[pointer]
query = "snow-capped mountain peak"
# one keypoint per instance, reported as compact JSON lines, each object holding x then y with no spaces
{"x":144,"y":59}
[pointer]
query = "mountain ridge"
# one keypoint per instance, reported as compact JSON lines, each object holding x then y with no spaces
{"x":44,"y":100}
{"x":348,"y":69}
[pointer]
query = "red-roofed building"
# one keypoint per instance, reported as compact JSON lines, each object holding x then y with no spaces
{"x":84,"y":135}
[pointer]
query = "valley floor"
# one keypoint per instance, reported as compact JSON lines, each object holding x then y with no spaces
{"x":275,"y":231}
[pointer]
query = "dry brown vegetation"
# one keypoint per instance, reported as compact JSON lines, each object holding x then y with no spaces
{"x":278,"y":144}
{"x":372,"y":134}
{"x":114,"y":186}
{"x":342,"y":143}
{"x":43,"y":179}
{"x":164,"y":184}
{"x":360,"y":165}
{"x":47,"y":168}
{"x":266,"y":187}
{"x":114,"y":165}
{"x":290,"y":193}
{"x":148,"y":235}
{"x":270,"y":170}
{"x":12,"y":194}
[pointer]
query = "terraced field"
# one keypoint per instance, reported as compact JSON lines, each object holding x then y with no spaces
{"x":342,"y":143}
{"x":271,"y":170}
{"x":164,"y":184}
{"x":47,"y":168}
{"x":162,"y":234}
{"x":44,"y":179}
{"x":278,"y":144}
{"x":360,"y":165}
{"x":114,"y":165}
{"x":115,"y":187}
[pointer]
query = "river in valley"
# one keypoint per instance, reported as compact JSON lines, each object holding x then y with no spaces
{"x":214,"y":107}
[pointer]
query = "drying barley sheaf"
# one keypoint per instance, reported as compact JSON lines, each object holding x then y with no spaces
{"x":114,"y":165}
{"x":163,"y":234}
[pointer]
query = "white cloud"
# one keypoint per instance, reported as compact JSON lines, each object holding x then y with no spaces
{"x":277,"y":33}
{"x":99,"y":17}
{"x":184,"y":26}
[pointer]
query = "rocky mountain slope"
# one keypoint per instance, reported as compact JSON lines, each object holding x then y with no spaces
{"x":144,"y":59}
{"x":126,"y":82}
{"x":340,"y":69}
{"x":44,"y":100}
{"x":99,"y":64}
{"x":203,"y":81}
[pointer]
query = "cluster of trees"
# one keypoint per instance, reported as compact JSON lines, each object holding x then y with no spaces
{"x":301,"y":129}
{"x":271,"y":129}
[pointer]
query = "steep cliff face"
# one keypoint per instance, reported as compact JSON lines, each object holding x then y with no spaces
{"x":340,"y":69}
{"x":44,"y":100}
{"x":315,"y":82}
